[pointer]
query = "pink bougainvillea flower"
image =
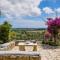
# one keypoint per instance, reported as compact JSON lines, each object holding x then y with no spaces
{"x":53,"y":24}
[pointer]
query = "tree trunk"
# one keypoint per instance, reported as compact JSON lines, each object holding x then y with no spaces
{"x":55,"y":39}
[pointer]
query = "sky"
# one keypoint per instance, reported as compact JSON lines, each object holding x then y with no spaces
{"x":28,"y":13}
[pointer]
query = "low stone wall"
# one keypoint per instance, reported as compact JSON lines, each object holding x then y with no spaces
{"x":19,"y":55}
{"x":7,"y":46}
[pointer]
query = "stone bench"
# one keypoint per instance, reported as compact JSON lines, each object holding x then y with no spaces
{"x":19,"y":55}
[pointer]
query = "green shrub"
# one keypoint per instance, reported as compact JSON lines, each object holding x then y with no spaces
{"x":53,"y":43}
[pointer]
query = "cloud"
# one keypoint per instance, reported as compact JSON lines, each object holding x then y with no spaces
{"x":58,"y":10}
{"x":48,"y":10}
{"x":20,"y":7}
{"x":28,"y":23}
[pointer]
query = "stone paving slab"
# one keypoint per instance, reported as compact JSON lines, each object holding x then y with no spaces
{"x":50,"y":54}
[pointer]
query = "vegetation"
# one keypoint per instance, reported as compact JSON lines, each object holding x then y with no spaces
{"x":28,"y":34}
{"x":7,"y":33}
{"x":53,"y":31}
{"x":47,"y":36}
{"x":5,"y":30}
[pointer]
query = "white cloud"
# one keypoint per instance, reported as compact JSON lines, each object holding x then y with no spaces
{"x":58,"y":10}
{"x":29,"y":23}
{"x":20,"y":7}
{"x":48,"y":10}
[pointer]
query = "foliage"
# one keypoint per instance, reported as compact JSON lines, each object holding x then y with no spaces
{"x":4,"y":31}
{"x":53,"y":29}
{"x":29,"y":35}
{"x":53,"y":25}
{"x":12,"y":35}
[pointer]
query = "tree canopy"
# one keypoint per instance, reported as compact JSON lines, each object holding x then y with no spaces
{"x":4,"y":31}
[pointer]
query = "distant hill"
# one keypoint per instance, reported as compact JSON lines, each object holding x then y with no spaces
{"x":28,"y":29}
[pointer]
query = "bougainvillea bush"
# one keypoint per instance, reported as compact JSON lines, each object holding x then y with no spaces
{"x":47,"y":36}
{"x":53,"y":27}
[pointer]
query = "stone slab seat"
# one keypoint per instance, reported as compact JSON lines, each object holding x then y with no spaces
{"x":22,"y":48}
{"x":19,"y":55}
{"x":23,"y":45}
{"x":20,"y":58}
{"x":35,"y":48}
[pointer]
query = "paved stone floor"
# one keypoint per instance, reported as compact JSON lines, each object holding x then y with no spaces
{"x":47,"y":52}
